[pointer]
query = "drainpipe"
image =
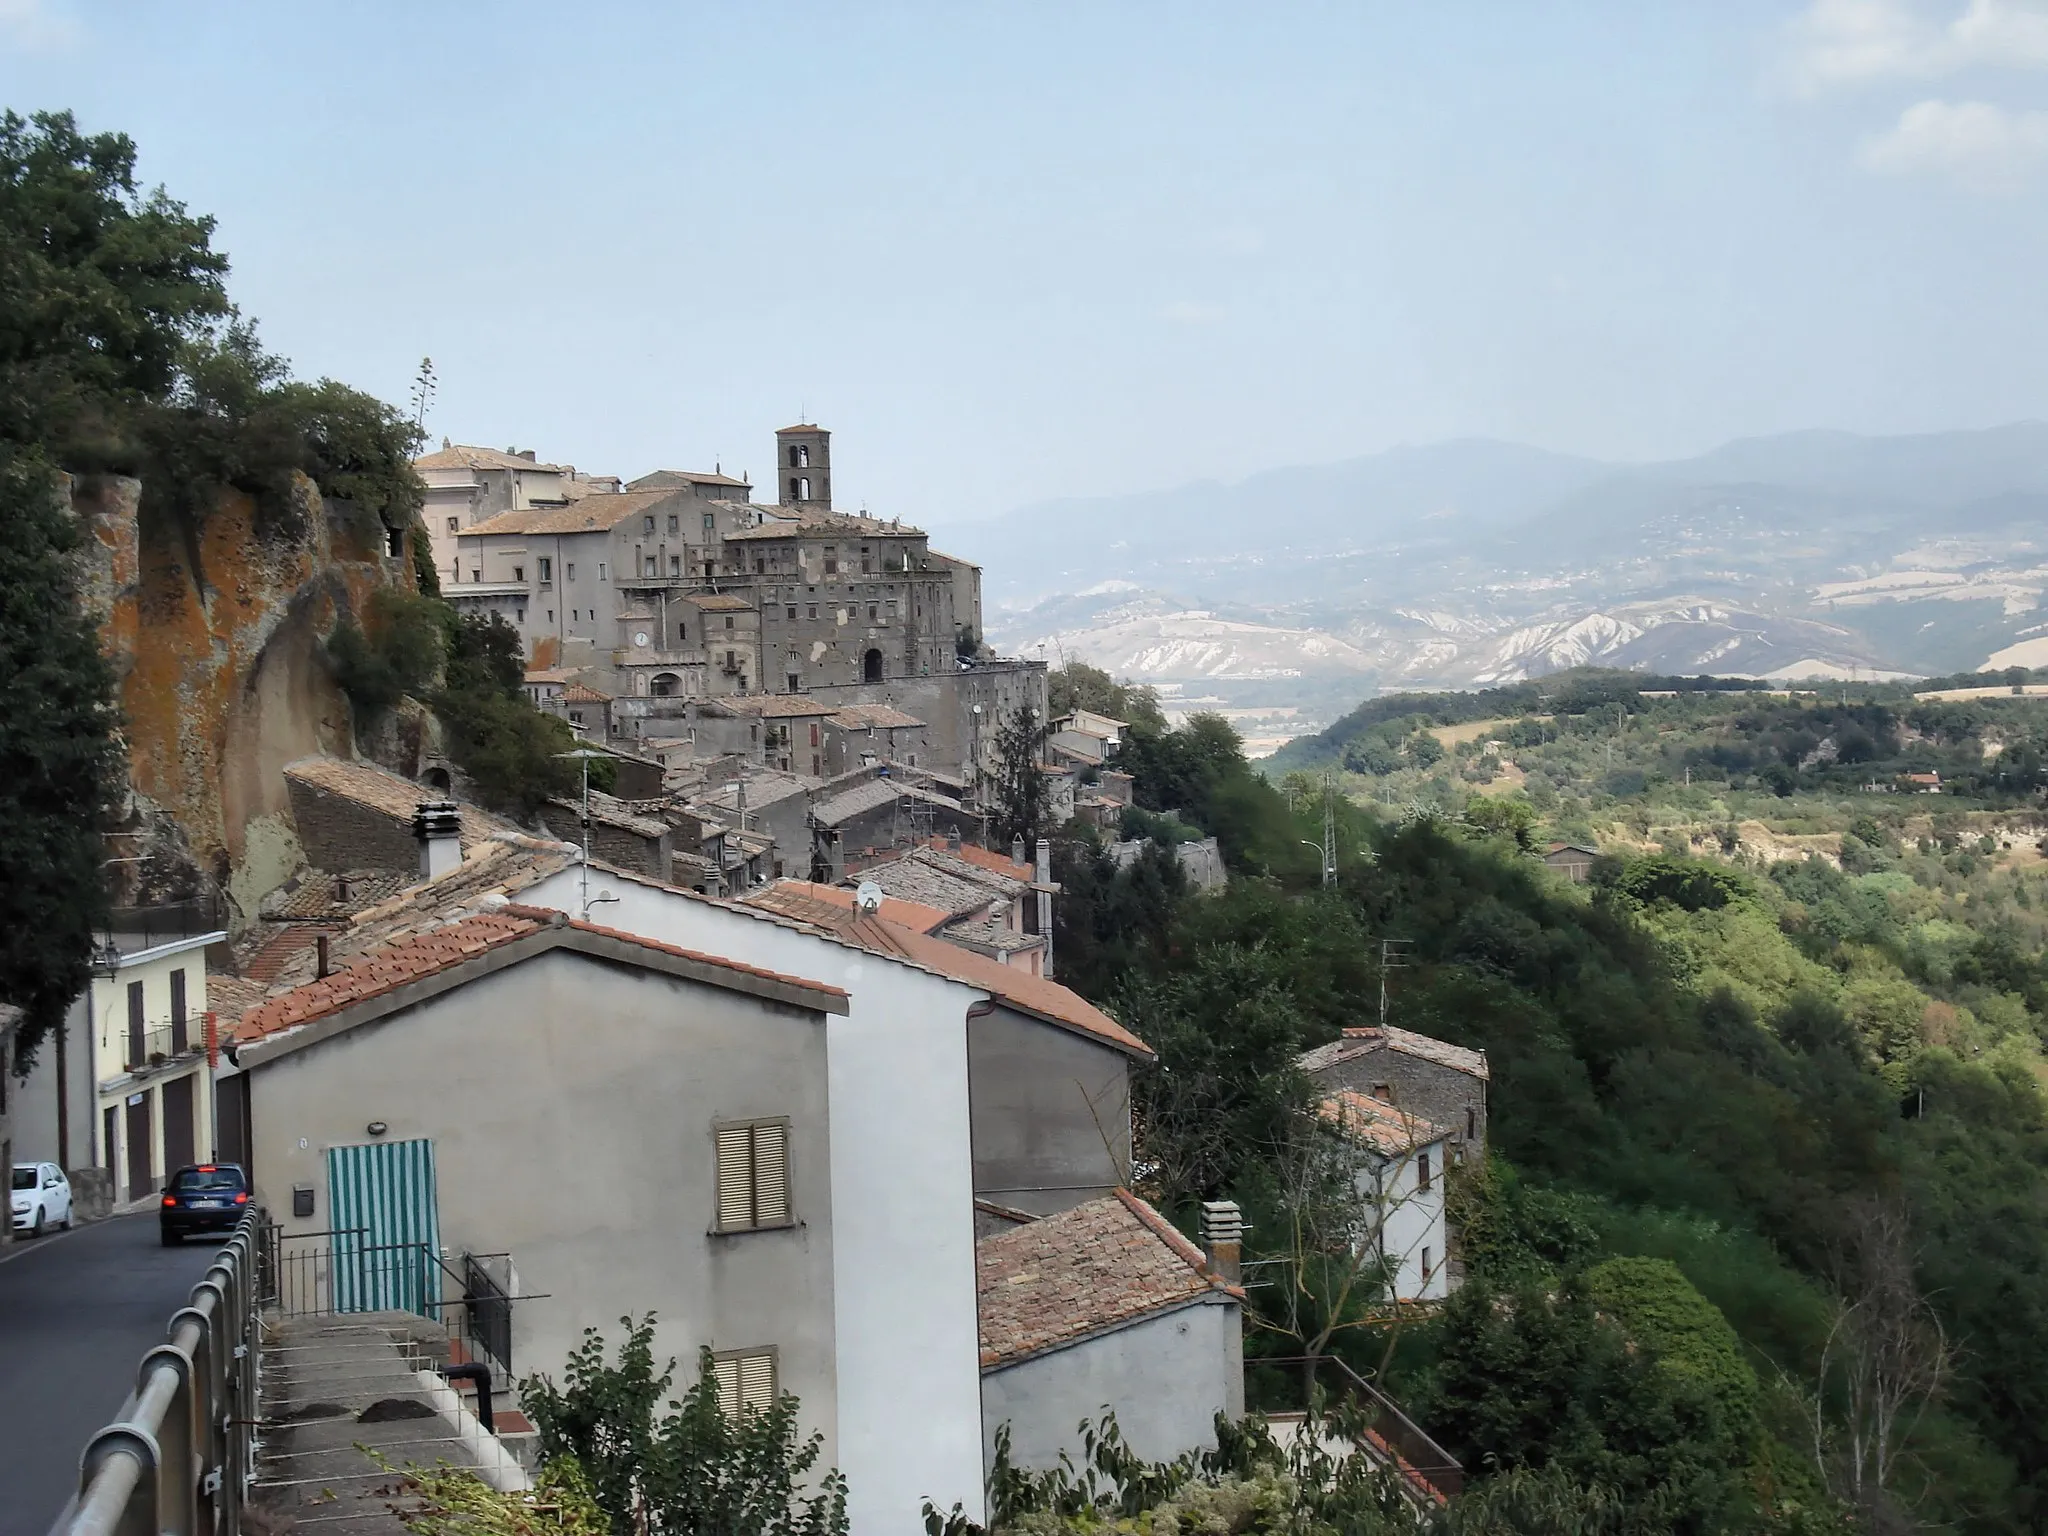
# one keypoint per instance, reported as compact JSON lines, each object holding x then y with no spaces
{"x":1044,"y":872}
{"x":479,"y":1373}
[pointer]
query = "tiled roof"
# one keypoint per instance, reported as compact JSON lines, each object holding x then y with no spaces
{"x":385,"y":970}
{"x":317,"y":894}
{"x":1096,"y":1267}
{"x":229,"y":997}
{"x":674,"y":479}
{"x":1376,"y":1123}
{"x":920,"y":882}
{"x":988,"y":859}
{"x":386,"y":792}
{"x":859,"y":717}
{"x":857,"y":801}
{"x":1030,"y":994}
{"x":991,"y":933}
{"x":795,"y":898}
{"x":718,"y":602}
{"x":1355,"y":1043}
{"x":579,"y":693}
{"x":776,"y":706}
{"x":593,"y":514}
{"x":458,"y":456}
{"x":804,"y":426}
{"x":546,"y":675}
{"x":500,"y":866}
{"x":828,"y":525}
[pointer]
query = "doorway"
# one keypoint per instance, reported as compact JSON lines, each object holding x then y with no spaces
{"x":871,"y":667}
{"x":387,"y":1230}
{"x":178,"y":1141}
{"x":140,"y":1139}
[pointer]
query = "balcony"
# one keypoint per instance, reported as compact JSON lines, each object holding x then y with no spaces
{"x":144,"y":1050}
{"x":132,"y":930}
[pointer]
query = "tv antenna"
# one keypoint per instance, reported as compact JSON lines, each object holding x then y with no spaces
{"x":1393,"y":957}
{"x":584,"y":755}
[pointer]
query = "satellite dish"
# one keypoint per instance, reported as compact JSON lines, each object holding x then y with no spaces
{"x":868,"y":897}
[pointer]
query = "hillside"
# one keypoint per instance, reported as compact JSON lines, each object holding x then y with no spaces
{"x":1469,"y":563}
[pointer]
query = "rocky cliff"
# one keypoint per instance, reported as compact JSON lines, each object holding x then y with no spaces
{"x":215,"y":632}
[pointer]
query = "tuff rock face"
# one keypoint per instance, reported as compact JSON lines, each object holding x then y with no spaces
{"x":216,"y":637}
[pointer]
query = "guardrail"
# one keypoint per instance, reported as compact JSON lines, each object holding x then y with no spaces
{"x":1290,"y":1380}
{"x":178,"y":1458}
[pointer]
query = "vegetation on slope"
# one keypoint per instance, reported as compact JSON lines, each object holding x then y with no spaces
{"x":1786,"y":1078}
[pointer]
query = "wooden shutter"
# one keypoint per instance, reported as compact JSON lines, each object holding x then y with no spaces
{"x":746,"y":1381}
{"x":735,"y":1179}
{"x":771,"y":1175}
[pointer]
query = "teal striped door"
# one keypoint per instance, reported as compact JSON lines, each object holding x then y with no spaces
{"x":387,"y":1229}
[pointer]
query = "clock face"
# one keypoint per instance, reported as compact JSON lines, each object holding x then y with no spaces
{"x":641,"y":638}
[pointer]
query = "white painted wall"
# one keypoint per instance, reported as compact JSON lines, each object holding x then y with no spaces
{"x":1411,"y":1219}
{"x":1167,"y":1377}
{"x":902,"y":1193}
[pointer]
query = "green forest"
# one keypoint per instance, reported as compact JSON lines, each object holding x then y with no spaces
{"x":1769,"y":1154}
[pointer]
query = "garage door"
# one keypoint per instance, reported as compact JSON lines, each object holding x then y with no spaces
{"x":387,"y":1230}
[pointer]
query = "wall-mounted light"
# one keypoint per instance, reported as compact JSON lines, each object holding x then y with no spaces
{"x":377,"y":1127}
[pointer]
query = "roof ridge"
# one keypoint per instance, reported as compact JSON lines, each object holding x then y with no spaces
{"x":1176,"y":1240}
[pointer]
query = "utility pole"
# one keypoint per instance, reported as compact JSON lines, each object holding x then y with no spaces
{"x":1391,"y":959}
{"x":1328,"y":846}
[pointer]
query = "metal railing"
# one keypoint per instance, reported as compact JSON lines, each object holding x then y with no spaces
{"x":329,"y":1273}
{"x":1287,"y":1383}
{"x":178,"y":1458}
{"x":144,"y":927}
{"x":145,"y":1048}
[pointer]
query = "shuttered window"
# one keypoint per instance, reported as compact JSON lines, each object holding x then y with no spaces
{"x":753,"y":1175}
{"x":746,"y":1381}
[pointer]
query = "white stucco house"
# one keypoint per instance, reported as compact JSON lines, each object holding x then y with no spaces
{"x":1399,"y":1173}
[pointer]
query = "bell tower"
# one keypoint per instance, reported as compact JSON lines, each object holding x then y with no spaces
{"x":803,"y":468}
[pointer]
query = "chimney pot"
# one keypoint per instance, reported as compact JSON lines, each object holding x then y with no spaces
{"x":1017,"y":850}
{"x":1223,"y":1239}
{"x":438,"y":827}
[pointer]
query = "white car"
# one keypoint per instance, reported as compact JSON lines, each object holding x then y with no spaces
{"x":41,"y":1198}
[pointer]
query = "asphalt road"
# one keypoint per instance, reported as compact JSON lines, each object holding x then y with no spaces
{"x":77,"y":1311}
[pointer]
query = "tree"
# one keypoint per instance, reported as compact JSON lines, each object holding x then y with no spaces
{"x":1076,"y":685}
{"x":58,"y":758}
{"x":701,"y":1467}
{"x":510,"y":750}
{"x":1886,"y":1360}
{"x":1020,"y":799}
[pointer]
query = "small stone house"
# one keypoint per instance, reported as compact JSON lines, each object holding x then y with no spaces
{"x":1572,"y":860}
{"x":1399,"y":1177}
{"x":1443,"y":1083}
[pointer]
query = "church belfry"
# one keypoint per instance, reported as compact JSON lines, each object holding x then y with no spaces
{"x":803,"y":468}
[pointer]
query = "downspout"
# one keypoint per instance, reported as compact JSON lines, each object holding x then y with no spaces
{"x":479,"y":1373}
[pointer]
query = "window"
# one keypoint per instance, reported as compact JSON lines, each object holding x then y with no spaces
{"x":814,"y":733}
{"x":710,"y":522}
{"x":569,"y":571}
{"x":728,"y":621}
{"x":892,"y":608}
{"x":454,"y":524}
{"x":746,"y":1381}
{"x":647,"y":566}
{"x":647,"y":524}
{"x":831,"y":565}
{"x":600,"y":570}
{"x":547,"y":569}
{"x":1384,"y":1092}
{"x":675,"y":523}
{"x":1471,"y":1122}
{"x":1422,"y":1176}
{"x":551,"y":615}
{"x":1426,"y":1265}
{"x":753,"y":1175}
{"x":682,"y":630}
{"x":811,"y":611}
{"x":519,"y":615}
{"x":136,"y":1029}
{"x":805,"y":493}
{"x":791,"y":615}
{"x":519,"y":573}
{"x":873,"y":613}
{"x":675,"y":565}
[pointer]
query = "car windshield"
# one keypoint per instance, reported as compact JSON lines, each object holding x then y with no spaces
{"x":193,"y":1179}
{"x":24,"y":1178}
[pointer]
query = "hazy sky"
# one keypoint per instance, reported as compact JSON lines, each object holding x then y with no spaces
{"x":1009,"y":252}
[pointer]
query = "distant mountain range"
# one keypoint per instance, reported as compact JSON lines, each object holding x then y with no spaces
{"x":1473,"y":562}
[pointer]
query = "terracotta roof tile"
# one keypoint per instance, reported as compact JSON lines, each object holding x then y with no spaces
{"x":1355,"y":1043}
{"x":386,"y":969}
{"x":1377,"y":1124}
{"x":1095,"y":1267}
{"x":1021,"y":990}
{"x":795,"y":898}
{"x":592,"y":514}
{"x":458,"y":456}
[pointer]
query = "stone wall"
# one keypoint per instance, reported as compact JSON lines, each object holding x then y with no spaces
{"x":338,"y":833}
{"x":1452,"y":1100}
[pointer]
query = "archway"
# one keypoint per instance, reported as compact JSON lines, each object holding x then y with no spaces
{"x":437,"y":778}
{"x":871,"y":667}
{"x":665,"y":685}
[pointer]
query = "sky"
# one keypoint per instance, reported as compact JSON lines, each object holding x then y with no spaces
{"x":1015,"y":252}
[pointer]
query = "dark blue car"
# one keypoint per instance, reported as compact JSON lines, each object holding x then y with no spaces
{"x":211,"y":1197}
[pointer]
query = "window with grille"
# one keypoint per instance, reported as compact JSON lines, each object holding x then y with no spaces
{"x":753,"y":1175}
{"x":746,"y":1381}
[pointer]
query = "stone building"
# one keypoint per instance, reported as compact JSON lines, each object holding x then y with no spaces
{"x":1415,"y":1074}
{"x":466,"y":486}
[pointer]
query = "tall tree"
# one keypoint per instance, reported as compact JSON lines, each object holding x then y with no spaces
{"x":1022,"y":805}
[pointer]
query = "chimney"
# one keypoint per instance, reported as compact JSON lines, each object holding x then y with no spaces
{"x":341,"y":888}
{"x":438,"y":827}
{"x":1223,"y":1240}
{"x":320,"y":965}
{"x":527,"y":454}
{"x":1017,"y":850}
{"x":953,"y":842}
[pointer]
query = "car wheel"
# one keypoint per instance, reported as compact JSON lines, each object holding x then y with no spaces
{"x":170,"y":1238}
{"x":37,"y":1229}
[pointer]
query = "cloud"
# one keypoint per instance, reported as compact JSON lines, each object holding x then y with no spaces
{"x":31,"y":25}
{"x":1985,"y":147}
{"x":1851,"y":42}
